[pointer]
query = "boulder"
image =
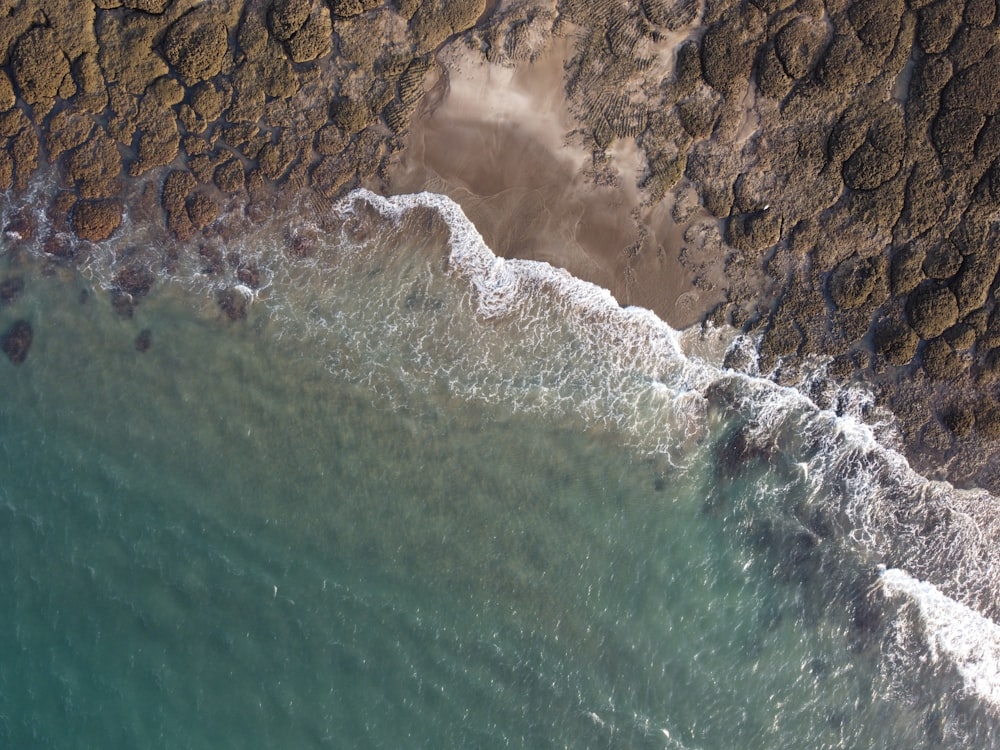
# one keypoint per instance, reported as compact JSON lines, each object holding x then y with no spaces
{"x":17,"y":341}
{"x":853,"y":281}
{"x":196,"y":45}
{"x":38,"y":64}
{"x":96,"y":220}
{"x":895,"y":341}
{"x":931,"y":308}
{"x":287,"y":16}
{"x":939,"y":360}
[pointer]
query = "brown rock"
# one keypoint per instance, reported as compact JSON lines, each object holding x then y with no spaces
{"x":980,"y":12}
{"x":937,"y":24}
{"x":671,"y":14}
{"x":201,"y":210}
{"x":196,"y":46}
{"x":38,"y":64}
{"x":6,"y":170}
{"x":159,"y":143}
{"x":350,"y":8}
{"x":155,"y":7}
{"x":287,"y":16}
{"x":728,"y":49}
{"x":854,"y":280}
{"x":939,"y":360}
{"x":229,"y":176}
{"x":955,"y":131}
{"x":96,"y":220}
{"x":17,"y":341}
{"x":7,"y":97}
{"x":931,"y":308}
{"x":67,"y":130}
{"x":895,"y":341}
{"x":94,"y":166}
{"x":314,"y":40}
{"x":798,"y":45}
{"x":24,"y":147}
{"x":144,"y":340}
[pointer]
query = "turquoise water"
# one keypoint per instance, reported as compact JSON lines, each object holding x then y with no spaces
{"x":416,"y":500}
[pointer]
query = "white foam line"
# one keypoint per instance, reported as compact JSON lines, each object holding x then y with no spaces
{"x":955,"y":633}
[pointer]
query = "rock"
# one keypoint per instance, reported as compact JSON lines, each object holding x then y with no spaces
{"x":67,"y":130}
{"x":854,"y":280}
{"x":687,"y":68}
{"x":754,"y":231}
{"x":314,"y":40}
{"x":248,"y":274}
{"x":895,"y":341}
{"x":961,"y":336}
{"x":233,"y":303}
{"x":798,"y":45}
{"x":937,"y":24}
{"x":7,"y":96}
{"x":943,"y":261}
{"x":906,"y":269}
{"x":287,"y":16}
{"x":201,"y":210}
{"x":10,"y":289}
{"x":988,"y":423}
{"x":196,"y":45}
{"x":144,"y":340}
{"x":972,"y":283}
{"x":974,"y":88}
{"x":94,"y":166}
{"x":350,"y":8}
{"x":728,"y":49}
{"x":159,"y":143}
{"x":229,"y":176}
{"x":155,"y":7}
{"x":350,"y":115}
{"x":980,"y":12}
{"x":959,"y":419}
{"x":96,"y":220}
{"x":17,"y":341}
{"x":931,"y":308}
{"x":176,"y":187}
{"x":939,"y":360}
{"x":698,"y":114}
{"x":6,"y":170}
{"x":955,"y":131}
{"x":134,"y":280}
{"x":671,"y":14}
{"x":38,"y":64}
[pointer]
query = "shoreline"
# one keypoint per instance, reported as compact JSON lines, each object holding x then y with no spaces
{"x":817,"y":189}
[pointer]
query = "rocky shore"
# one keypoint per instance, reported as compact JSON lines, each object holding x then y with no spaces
{"x":830,"y":170}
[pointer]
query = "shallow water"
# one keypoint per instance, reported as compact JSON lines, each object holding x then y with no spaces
{"x":424,"y":498}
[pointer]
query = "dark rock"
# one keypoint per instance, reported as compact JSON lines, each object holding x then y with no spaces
{"x":895,"y":341}
{"x":799,"y":44}
{"x":943,"y":261}
{"x":754,"y":231}
{"x":154,"y":7}
{"x":939,"y":360}
{"x":249,"y":275}
{"x":96,"y":220}
{"x":728,"y":50}
{"x":144,"y":340}
{"x":233,"y":303}
{"x":314,"y":40}
{"x":959,"y":419}
{"x":955,"y":131}
{"x":201,"y":210}
{"x":931,"y":308}
{"x":10,"y":289}
{"x":351,"y":8}
{"x":937,"y":24}
{"x":970,"y":46}
{"x":854,"y":280}
{"x":671,"y":14}
{"x":698,"y":114}
{"x":38,"y":64}
{"x":134,"y":280}
{"x":687,"y":69}
{"x":980,"y":12}
{"x":17,"y":341}
{"x":988,"y":423}
{"x":972,"y":283}
{"x":974,"y":88}
{"x":196,"y":45}
{"x":961,"y":336}
{"x":288,"y":16}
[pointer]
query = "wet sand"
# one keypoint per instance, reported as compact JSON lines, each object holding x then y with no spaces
{"x":500,"y":141}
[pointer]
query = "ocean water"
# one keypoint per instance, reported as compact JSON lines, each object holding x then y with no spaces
{"x":425,"y":497}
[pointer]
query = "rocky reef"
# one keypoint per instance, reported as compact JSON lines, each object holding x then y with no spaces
{"x":847,"y":151}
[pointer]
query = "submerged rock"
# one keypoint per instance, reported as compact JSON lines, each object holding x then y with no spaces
{"x":17,"y":341}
